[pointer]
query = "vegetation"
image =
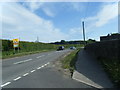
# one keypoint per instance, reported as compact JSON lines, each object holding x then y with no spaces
{"x":90,"y":41}
{"x":28,"y":48}
{"x":74,"y":42}
{"x":115,"y":34}
{"x":69,"y":61}
{"x":24,"y":48}
{"x":112,"y":67}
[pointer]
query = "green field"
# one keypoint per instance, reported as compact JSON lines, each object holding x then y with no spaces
{"x":29,"y":48}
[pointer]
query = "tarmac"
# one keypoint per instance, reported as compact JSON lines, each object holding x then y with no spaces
{"x":90,"y":71}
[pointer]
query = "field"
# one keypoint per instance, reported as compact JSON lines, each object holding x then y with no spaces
{"x":26,"y":48}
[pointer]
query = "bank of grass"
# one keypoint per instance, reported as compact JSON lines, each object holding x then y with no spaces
{"x":112,"y":67}
{"x":69,"y":61}
{"x":11,"y":54}
{"x":0,"y":55}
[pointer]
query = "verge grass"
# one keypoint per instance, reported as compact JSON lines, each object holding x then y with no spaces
{"x":69,"y":61}
{"x":11,"y":54}
{"x":112,"y":67}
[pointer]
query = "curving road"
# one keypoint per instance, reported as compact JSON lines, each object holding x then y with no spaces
{"x":36,"y":71}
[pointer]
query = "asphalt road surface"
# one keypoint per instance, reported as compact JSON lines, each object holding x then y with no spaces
{"x":36,"y":71}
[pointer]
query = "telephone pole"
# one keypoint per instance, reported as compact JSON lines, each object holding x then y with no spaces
{"x":83,"y":33}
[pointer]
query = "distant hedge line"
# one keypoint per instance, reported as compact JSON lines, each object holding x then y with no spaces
{"x":26,"y":48}
{"x":7,"y":45}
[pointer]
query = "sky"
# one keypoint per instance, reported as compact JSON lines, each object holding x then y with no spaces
{"x":56,"y":21}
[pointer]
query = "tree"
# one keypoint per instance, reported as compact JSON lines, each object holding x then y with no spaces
{"x":90,"y":41}
{"x":63,"y":42}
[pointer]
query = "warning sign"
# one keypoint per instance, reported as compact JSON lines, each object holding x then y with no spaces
{"x":15,"y":43}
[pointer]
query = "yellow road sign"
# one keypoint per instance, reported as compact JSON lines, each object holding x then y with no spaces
{"x":15,"y":42}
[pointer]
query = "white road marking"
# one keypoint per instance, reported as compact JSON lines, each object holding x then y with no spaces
{"x":27,"y":60}
{"x":5,"y":84}
{"x":18,"y":62}
{"x":25,"y":74}
{"x":33,"y":71}
{"x":48,"y":63}
{"x":22,"y":61}
{"x":42,"y":66}
{"x":40,"y":56}
{"x":17,"y":78}
{"x":39,"y":67}
{"x":45,"y":65}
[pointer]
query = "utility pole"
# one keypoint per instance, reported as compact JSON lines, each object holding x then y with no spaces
{"x":83,"y":33}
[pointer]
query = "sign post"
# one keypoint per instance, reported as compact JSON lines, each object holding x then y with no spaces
{"x":16,"y":44}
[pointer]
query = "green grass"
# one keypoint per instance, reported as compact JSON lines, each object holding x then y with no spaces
{"x":11,"y":54}
{"x":112,"y":67}
{"x":69,"y":61}
{"x":28,"y":48}
{"x":45,"y":48}
{"x":0,"y":55}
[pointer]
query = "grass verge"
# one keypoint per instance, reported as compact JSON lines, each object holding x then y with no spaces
{"x":11,"y":55}
{"x":69,"y":61}
{"x":112,"y":67}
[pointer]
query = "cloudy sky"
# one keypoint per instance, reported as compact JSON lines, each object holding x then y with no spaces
{"x":55,"y":21}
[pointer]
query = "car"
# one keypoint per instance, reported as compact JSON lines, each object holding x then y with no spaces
{"x":60,"y":48}
{"x":73,"y":48}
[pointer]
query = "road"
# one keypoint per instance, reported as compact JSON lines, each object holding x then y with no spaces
{"x":36,"y":71}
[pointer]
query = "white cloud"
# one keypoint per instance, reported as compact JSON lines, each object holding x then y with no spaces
{"x":105,"y":15}
{"x":33,"y":6}
{"x":77,"y":6}
{"x":74,"y":31}
{"x":108,"y":13}
{"x":48,"y":12}
{"x":19,"y":22}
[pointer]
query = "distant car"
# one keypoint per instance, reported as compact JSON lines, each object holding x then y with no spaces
{"x":73,"y":48}
{"x":60,"y":48}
